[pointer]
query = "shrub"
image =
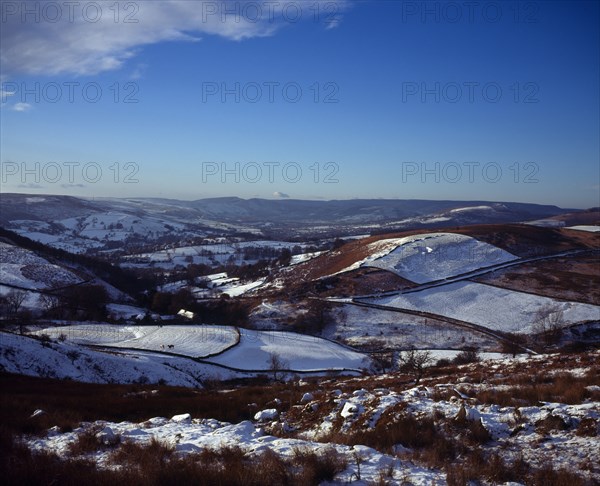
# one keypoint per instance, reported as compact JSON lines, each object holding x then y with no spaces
{"x":318,"y":467}
{"x":414,"y":362}
{"x":145,"y":457}
{"x":466,"y":356}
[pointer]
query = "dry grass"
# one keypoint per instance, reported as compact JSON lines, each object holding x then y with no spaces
{"x":574,"y":278}
{"x":528,"y":390}
{"x":69,"y":403}
{"x":145,"y":457}
{"x":157,"y":464}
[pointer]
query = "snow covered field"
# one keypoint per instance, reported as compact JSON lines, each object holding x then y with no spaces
{"x":192,"y":341}
{"x":253,"y":352}
{"x":361,"y":326}
{"x":435,"y":256}
{"x":297,"y":351}
{"x":213,"y":254}
{"x":493,"y":307}
{"x":65,"y":360}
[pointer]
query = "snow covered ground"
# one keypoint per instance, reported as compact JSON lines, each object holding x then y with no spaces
{"x":437,"y":354}
{"x":492,"y":307}
{"x":540,"y":433}
{"x":304,"y":257}
{"x":24,"y":268}
{"x":237,"y":289}
{"x":435,"y":256}
{"x":189,"y":435}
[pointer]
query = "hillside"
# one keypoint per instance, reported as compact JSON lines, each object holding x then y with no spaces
{"x":518,"y":240}
{"x":532,"y":422}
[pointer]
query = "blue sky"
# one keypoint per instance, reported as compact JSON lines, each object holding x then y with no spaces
{"x":447,"y":103}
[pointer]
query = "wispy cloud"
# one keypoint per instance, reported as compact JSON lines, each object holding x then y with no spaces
{"x":74,"y":45}
{"x":21,"y":107}
{"x":138,"y":71}
{"x":280,"y":195}
{"x":30,"y":185}
{"x":71,"y":186}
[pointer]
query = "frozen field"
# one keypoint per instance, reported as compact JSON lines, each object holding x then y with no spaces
{"x":435,"y":256}
{"x":495,"y":308}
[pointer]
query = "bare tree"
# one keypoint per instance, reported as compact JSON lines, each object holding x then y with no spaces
{"x":384,"y":360}
{"x":49,"y":302}
{"x":549,"y":321}
{"x":414,"y":362}
{"x":278,"y":364}
{"x":14,"y":301}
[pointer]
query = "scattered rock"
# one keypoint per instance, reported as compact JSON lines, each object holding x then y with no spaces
{"x":107,"y":437}
{"x":39,"y":412}
{"x":349,"y":410}
{"x":184,"y":418}
{"x":264,"y":415}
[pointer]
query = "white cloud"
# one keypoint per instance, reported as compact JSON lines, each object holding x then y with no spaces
{"x":280,"y":195}
{"x":81,"y":47}
{"x":21,"y":107}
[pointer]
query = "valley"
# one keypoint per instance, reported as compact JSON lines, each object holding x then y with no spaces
{"x":338,"y":334}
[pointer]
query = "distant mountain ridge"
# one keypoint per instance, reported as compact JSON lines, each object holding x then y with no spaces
{"x":48,"y":217}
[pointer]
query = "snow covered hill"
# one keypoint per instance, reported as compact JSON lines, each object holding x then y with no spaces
{"x":296,"y":352}
{"x":24,"y":268}
{"x":531,"y":421}
{"x":432,"y":256}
